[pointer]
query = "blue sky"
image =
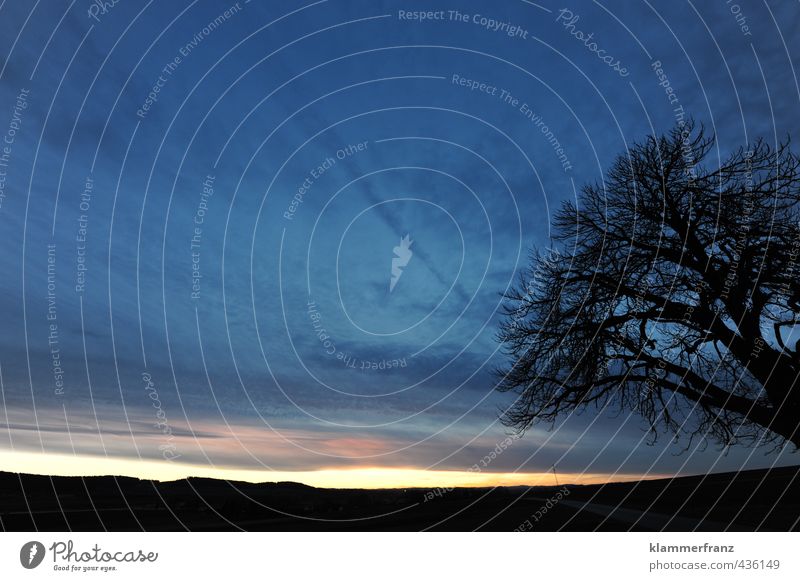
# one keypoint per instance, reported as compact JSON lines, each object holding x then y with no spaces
{"x":363,"y":109}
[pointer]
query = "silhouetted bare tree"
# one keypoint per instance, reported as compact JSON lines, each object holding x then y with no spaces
{"x":672,"y":290}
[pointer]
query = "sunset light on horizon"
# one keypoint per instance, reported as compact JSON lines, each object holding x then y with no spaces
{"x":363,"y":477}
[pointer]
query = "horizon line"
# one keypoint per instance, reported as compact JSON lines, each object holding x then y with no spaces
{"x":366,"y":477}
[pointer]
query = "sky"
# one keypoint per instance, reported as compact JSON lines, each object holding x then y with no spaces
{"x":268,"y":241}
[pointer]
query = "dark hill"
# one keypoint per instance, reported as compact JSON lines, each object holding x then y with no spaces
{"x":749,"y":500}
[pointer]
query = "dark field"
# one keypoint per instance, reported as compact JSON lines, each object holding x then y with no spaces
{"x":751,"y":500}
